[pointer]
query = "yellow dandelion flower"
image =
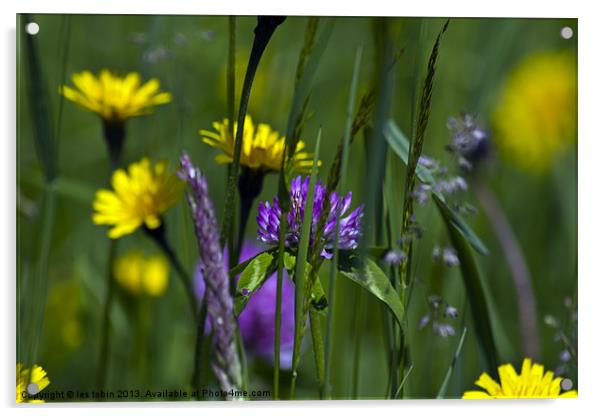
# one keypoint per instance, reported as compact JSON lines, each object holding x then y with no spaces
{"x":532,"y":382}
{"x":115,"y":98}
{"x":140,"y":274}
{"x":30,"y":382}
{"x":536,"y":117}
{"x":262,"y":147}
{"x":139,"y":197}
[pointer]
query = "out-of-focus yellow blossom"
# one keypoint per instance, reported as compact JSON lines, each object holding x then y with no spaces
{"x":35,"y":377}
{"x":139,"y":274}
{"x":262,"y":147}
{"x":139,"y":196}
{"x":536,"y":117}
{"x":65,"y":306}
{"x":115,"y":98}
{"x":532,"y":382}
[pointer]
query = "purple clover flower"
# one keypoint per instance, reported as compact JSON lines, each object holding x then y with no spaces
{"x":257,"y":320}
{"x":220,"y":306}
{"x":268,"y":218}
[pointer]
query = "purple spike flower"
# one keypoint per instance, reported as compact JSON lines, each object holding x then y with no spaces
{"x":268,"y":218}
{"x":220,"y":306}
{"x":257,"y":320}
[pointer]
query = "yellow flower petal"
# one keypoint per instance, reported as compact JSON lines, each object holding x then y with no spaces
{"x":139,"y":196}
{"x":262,"y":147}
{"x":533,"y":381}
{"x":115,"y":98}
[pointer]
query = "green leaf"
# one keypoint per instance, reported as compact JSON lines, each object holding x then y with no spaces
{"x":474,"y":290}
{"x":375,"y":281}
{"x":450,"y":370}
{"x":317,"y":296}
{"x":252,"y":277}
{"x":400,"y":145}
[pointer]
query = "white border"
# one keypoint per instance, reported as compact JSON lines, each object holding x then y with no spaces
{"x":590,"y":151}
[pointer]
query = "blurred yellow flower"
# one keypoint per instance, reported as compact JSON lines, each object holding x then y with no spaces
{"x":530,"y":383}
{"x":65,"y":306}
{"x":35,"y":378}
{"x":536,"y":117}
{"x":139,"y":274}
{"x":262,"y":147}
{"x":139,"y":197}
{"x":115,"y":98}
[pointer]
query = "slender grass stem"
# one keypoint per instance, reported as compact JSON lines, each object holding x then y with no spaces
{"x":358,"y":326}
{"x":303,"y":286}
{"x":318,"y":346}
{"x":105,"y":334}
{"x":278,"y":314}
{"x":326,"y":392}
{"x":521,"y":277}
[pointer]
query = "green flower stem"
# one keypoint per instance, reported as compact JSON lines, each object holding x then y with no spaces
{"x":317,"y":339}
{"x":114,"y":135}
{"x":106,"y":319}
{"x":158,"y":236}
{"x":359,"y":312}
{"x":250,"y":184}
{"x":278,"y":314}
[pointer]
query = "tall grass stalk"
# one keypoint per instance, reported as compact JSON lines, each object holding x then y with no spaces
{"x":300,"y":273}
{"x":294,"y":130}
{"x":415,"y":150}
{"x":327,"y":392}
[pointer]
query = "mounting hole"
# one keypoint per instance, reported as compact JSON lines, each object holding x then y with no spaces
{"x":32,"y":389}
{"x":32,"y":28}
{"x":566,"y":32}
{"x":566,"y":384}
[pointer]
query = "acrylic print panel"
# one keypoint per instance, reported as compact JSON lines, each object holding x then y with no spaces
{"x":270,"y":208}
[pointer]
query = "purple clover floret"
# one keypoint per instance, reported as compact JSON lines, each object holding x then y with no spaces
{"x":268,"y":218}
{"x":220,"y":306}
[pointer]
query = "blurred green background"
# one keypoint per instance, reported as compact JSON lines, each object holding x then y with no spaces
{"x":153,"y":338}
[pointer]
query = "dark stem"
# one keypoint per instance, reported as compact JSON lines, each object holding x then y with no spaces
{"x":114,"y":134}
{"x":158,"y":236}
{"x":250,"y":184}
{"x":266,"y":25}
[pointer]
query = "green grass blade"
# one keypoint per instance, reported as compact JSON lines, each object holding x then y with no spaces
{"x":377,"y":144}
{"x":335,"y":257}
{"x":375,"y":281}
{"x":450,"y":370}
{"x":300,"y":269}
{"x":403,"y":381}
{"x":475,"y":291}
{"x":44,"y":138}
